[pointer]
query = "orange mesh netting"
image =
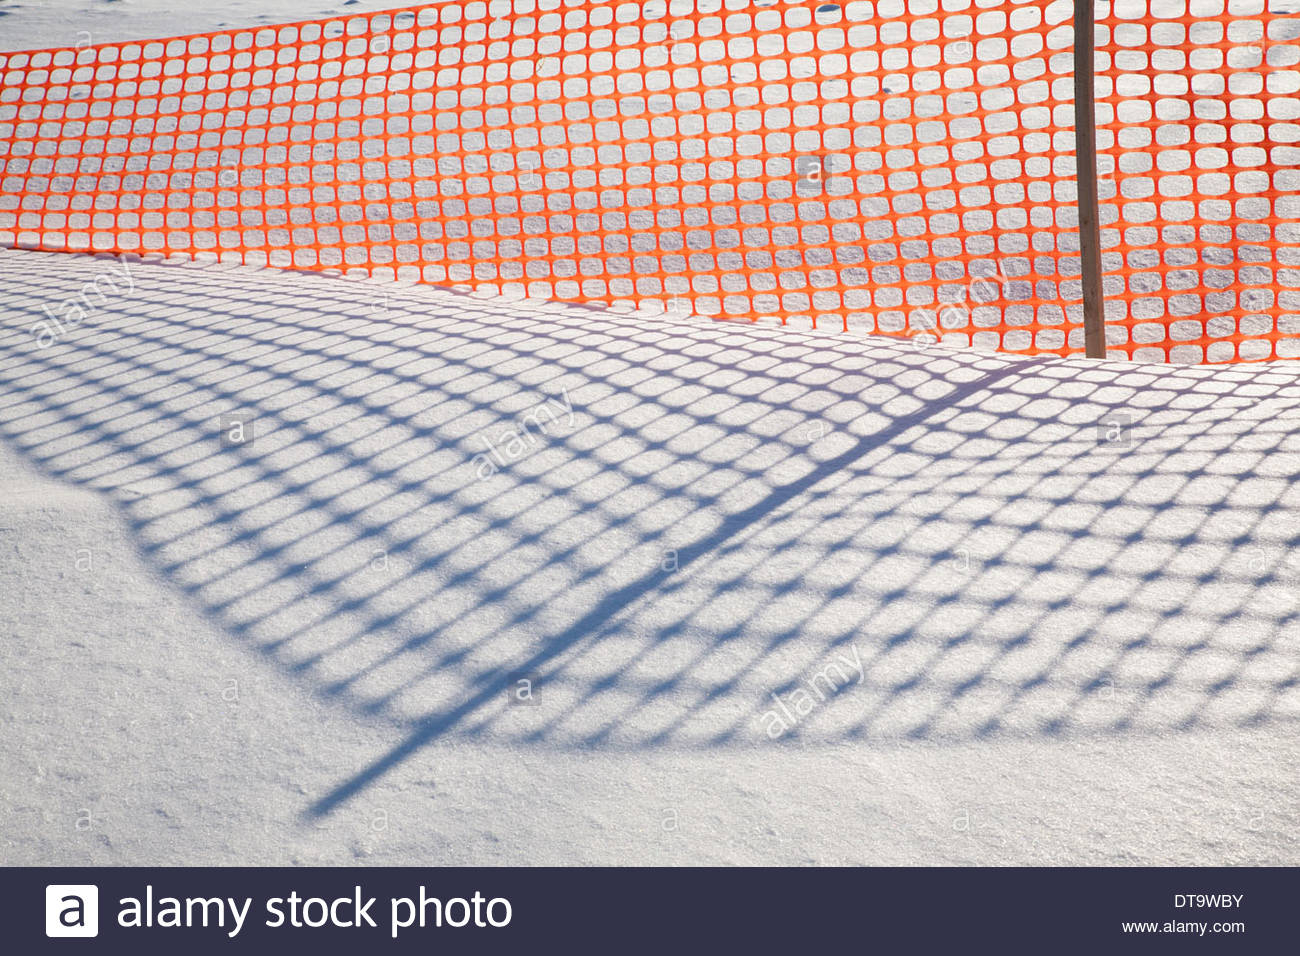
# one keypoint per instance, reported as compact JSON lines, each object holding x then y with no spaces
{"x":898,"y":167}
{"x":1197,"y":132}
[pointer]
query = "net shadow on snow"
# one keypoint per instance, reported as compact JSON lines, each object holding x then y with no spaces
{"x":721,"y":535}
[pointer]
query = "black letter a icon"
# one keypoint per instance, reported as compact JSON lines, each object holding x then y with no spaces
{"x":79,"y":909}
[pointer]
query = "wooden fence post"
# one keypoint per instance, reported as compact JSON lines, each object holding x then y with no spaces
{"x":1085,"y":151}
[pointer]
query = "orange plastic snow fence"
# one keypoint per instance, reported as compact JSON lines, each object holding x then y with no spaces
{"x":903,"y":167}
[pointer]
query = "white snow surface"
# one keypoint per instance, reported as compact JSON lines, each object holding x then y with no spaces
{"x":1047,"y":647}
{"x":1017,"y":641}
{"x":44,"y":24}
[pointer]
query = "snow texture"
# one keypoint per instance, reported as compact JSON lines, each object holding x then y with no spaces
{"x":1011,"y":610}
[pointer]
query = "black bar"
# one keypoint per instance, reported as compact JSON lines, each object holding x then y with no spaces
{"x":671,"y":911}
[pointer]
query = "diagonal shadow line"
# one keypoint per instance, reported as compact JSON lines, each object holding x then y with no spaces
{"x":591,"y":623}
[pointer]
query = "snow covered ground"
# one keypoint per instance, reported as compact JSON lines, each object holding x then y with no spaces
{"x":784,"y":596}
{"x":279,"y":549}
